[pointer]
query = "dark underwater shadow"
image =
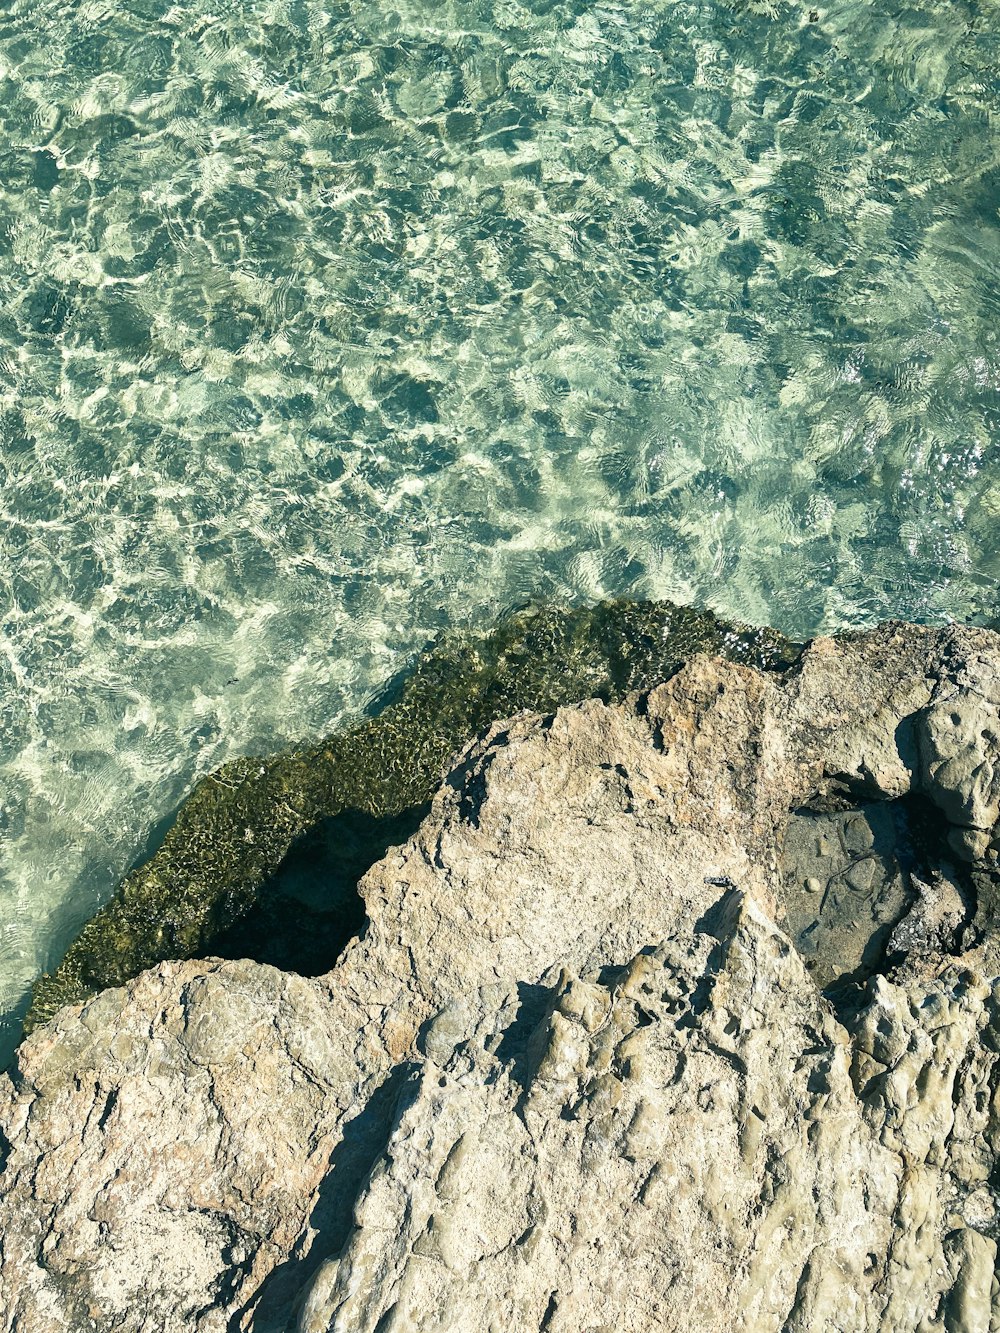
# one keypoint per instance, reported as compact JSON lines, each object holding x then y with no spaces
{"x":309,"y":909}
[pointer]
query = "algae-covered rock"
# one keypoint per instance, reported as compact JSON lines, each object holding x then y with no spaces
{"x":238,"y":824}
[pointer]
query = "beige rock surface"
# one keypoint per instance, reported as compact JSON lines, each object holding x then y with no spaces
{"x":572,"y":1075}
{"x":695,"y":1144}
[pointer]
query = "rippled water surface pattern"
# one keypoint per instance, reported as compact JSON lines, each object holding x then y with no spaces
{"x":326,"y":325}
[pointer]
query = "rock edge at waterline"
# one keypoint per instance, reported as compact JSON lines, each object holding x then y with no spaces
{"x":217,"y":864}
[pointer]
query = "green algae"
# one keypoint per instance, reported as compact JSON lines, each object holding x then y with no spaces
{"x":232,"y":834}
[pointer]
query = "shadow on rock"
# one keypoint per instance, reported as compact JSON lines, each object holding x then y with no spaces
{"x":330,"y":1222}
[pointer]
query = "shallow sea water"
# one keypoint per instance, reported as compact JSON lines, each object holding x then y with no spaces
{"x":326,"y":325}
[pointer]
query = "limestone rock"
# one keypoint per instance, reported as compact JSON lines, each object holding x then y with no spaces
{"x":211,"y":878}
{"x":172,"y":1131}
{"x":959,"y":737}
{"x":933,"y":922}
{"x":572,"y":1074}
{"x":693,"y":1144}
{"x":613,"y":1169}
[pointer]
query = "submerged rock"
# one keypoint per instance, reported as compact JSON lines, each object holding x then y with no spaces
{"x":572,"y":1074}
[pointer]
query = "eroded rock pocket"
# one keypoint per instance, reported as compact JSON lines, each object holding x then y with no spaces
{"x":865,"y":883}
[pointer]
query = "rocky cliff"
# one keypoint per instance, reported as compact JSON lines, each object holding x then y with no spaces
{"x":677,"y":1012}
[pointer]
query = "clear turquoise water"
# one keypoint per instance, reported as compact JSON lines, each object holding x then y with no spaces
{"x":326,"y":325}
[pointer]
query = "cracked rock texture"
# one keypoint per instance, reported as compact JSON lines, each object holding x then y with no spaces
{"x":578,"y":1072}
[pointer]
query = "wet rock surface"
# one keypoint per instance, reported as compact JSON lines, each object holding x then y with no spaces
{"x":577,"y":1071}
{"x":845,"y":886}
